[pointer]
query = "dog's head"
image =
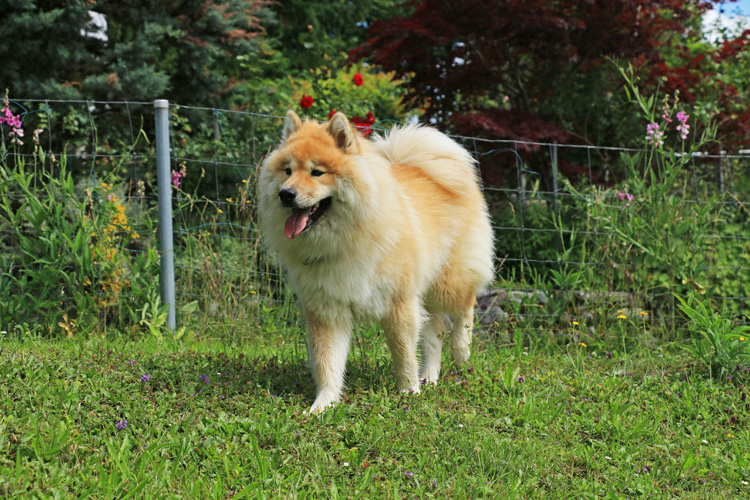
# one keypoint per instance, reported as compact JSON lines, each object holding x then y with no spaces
{"x":302,"y":180}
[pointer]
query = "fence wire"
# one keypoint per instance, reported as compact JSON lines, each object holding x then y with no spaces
{"x":557,"y":264}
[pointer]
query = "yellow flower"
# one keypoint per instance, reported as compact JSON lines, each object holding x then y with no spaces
{"x":643,"y":313}
{"x":229,"y":200}
{"x":742,"y":339}
{"x":244,"y":181}
{"x":582,"y":344}
{"x":621,"y":316}
{"x":220,"y":210}
{"x":575,"y":323}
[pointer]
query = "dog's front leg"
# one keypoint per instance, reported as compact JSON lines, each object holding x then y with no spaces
{"x":328,"y":346}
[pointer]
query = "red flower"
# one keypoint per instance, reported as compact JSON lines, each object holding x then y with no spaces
{"x":306,"y":101}
{"x":358,"y":80}
{"x":330,"y":115}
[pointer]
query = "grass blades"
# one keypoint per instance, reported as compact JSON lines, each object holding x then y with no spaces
{"x":223,"y":420}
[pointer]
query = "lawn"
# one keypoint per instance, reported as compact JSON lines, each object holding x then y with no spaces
{"x":178,"y":419}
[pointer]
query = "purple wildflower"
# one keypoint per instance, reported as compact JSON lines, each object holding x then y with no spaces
{"x":204,"y":378}
{"x":122,"y":424}
{"x":521,"y":379}
{"x":683,"y":128}
{"x":408,"y":474}
{"x":145,"y":377}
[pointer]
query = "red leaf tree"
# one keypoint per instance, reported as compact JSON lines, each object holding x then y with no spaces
{"x":539,"y":70}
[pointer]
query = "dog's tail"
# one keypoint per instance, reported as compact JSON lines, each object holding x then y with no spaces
{"x":436,"y":154}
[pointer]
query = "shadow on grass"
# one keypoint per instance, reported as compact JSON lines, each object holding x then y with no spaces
{"x":230,"y":375}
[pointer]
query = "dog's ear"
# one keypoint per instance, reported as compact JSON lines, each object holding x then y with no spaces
{"x":342,"y":132}
{"x":292,"y":123}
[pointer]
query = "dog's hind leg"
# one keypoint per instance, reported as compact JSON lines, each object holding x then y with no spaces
{"x":463,"y":326}
{"x":328,"y":347}
{"x":402,"y":327}
{"x":431,"y":343}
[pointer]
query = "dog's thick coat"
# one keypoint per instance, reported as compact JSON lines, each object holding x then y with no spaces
{"x":393,"y":230}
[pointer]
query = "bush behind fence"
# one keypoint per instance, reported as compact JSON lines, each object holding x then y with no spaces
{"x":591,"y":240}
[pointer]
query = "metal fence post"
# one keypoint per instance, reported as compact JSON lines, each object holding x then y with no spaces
{"x":555,"y":207}
{"x":163,"y":172}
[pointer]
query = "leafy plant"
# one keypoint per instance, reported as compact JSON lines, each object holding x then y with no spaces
{"x":716,"y":339}
{"x":65,"y":259}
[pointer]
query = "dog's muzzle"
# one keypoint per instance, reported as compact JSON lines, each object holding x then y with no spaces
{"x":287,"y":196}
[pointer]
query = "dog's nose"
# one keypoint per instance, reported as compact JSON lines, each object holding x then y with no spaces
{"x":287,"y":196}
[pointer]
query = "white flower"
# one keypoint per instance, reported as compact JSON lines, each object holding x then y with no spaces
{"x":704,"y":441}
{"x":608,"y":458}
{"x":460,"y":426}
{"x":346,"y":464}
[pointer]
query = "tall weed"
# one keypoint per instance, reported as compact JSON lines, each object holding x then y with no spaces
{"x":67,"y":259}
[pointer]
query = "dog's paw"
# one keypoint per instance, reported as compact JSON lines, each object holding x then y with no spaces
{"x":460,"y":354}
{"x":321,"y":403}
{"x":415,"y":389}
{"x":429,"y":376}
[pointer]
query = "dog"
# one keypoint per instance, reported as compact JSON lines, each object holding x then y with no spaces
{"x":393,"y":230}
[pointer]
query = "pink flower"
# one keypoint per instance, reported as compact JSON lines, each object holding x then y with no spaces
{"x":624,"y":196}
{"x":683,"y":128}
{"x":665,"y":114}
{"x":654,"y":135}
{"x":176,"y":178}
{"x":14,"y":121}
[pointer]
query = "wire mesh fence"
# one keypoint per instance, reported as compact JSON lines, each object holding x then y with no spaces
{"x":564,"y":260}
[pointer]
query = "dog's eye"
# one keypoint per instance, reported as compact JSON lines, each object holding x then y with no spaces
{"x":288,"y":171}
{"x":317,"y":173}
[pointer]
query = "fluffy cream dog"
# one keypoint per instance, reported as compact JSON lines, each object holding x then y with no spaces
{"x":393,"y":230}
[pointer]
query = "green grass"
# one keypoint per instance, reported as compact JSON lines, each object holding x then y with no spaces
{"x":579,"y":425}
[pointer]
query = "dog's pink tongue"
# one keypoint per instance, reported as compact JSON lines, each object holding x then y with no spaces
{"x":296,"y":222}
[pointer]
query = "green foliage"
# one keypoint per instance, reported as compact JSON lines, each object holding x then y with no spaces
{"x":716,"y":339}
{"x":655,"y":218}
{"x":331,"y":87}
{"x":310,"y":33}
{"x":65,"y":260}
{"x":184,"y":51}
{"x":334,"y":88}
